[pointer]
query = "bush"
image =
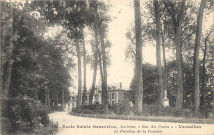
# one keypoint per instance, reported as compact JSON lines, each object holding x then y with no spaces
{"x":56,"y":108}
{"x":183,"y":112}
{"x":152,"y":109}
{"x":90,"y":109}
{"x":167,"y":111}
{"x":24,"y":110}
{"x":158,"y":110}
{"x":122,"y":109}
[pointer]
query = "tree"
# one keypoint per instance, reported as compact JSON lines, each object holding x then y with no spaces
{"x":7,"y":35}
{"x":196,"y":57}
{"x":158,"y":51}
{"x":95,"y":51}
{"x":100,"y":65}
{"x":203,"y":90}
{"x":79,"y":72}
{"x":100,"y":24}
{"x":72,"y":15}
{"x":131,"y":50}
{"x":37,"y":64}
{"x":104,"y":81}
{"x":84,"y":67}
{"x":138,"y":59}
{"x":212,"y":69}
{"x":177,"y":17}
{"x":150,"y":85}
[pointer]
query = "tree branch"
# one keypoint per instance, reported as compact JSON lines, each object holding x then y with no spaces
{"x":181,"y":13}
{"x":172,"y":11}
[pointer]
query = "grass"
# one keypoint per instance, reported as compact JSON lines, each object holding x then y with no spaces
{"x":148,"y":118}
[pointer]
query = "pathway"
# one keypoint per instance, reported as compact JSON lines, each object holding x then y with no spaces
{"x":74,"y":125}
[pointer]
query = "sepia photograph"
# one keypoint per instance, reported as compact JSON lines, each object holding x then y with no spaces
{"x":106,"y":67}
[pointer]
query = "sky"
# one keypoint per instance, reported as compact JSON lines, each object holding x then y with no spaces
{"x":121,"y":70}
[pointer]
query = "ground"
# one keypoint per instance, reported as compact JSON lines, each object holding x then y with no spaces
{"x":75,"y":125}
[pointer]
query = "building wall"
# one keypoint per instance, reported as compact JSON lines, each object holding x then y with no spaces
{"x":97,"y":98}
{"x":122,"y":96}
{"x":117,"y":97}
{"x":114,"y":97}
{"x":71,"y":104}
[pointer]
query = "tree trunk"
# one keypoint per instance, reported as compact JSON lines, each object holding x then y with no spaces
{"x":138,"y":57}
{"x":95,"y":59}
{"x":57,"y":100}
{"x":84,"y":59}
{"x":212,"y":56}
{"x":7,"y":76}
{"x":203,"y":73}
{"x":79,"y":73}
{"x":164,"y":64}
{"x":104,"y":81}
{"x":196,"y":57}
{"x":177,"y":18}
{"x":158,"y":52}
{"x":47,"y":97}
{"x":204,"y":67}
{"x":1,"y":69}
{"x":94,"y":80}
{"x":100,"y":64}
{"x":1,"y":60}
{"x":63,"y":99}
{"x":179,"y":97}
{"x":163,"y":33}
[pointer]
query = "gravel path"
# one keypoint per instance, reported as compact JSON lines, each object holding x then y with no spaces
{"x":74,"y":125}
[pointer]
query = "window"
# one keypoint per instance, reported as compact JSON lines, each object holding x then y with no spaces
{"x":108,"y":95}
{"x":112,"y":101}
{"x":112,"y":96}
{"x":124,"y":95}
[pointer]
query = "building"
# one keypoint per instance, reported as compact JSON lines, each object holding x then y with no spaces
{"x":71,"y":103}
{"x":115,"y":95}
{"x":97,"y":99}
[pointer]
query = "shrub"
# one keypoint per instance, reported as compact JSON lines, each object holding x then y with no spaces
{"x":167,"y":111}
{"x":152,"y":109}
{"x":121,"y":108}
{"x":124,"y":108}
{"x":24,"y":110}
{"x":90,"y":109}
{"x":158,"y":110}
{"x":182,"y":112}
{"x":56,"y":108}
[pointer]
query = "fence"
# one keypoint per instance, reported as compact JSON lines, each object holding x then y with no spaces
{"x":148,"y":118}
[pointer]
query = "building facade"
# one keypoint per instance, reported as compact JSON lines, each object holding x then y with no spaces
{"x":71,"y":103}
{"x":115,"y":95}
